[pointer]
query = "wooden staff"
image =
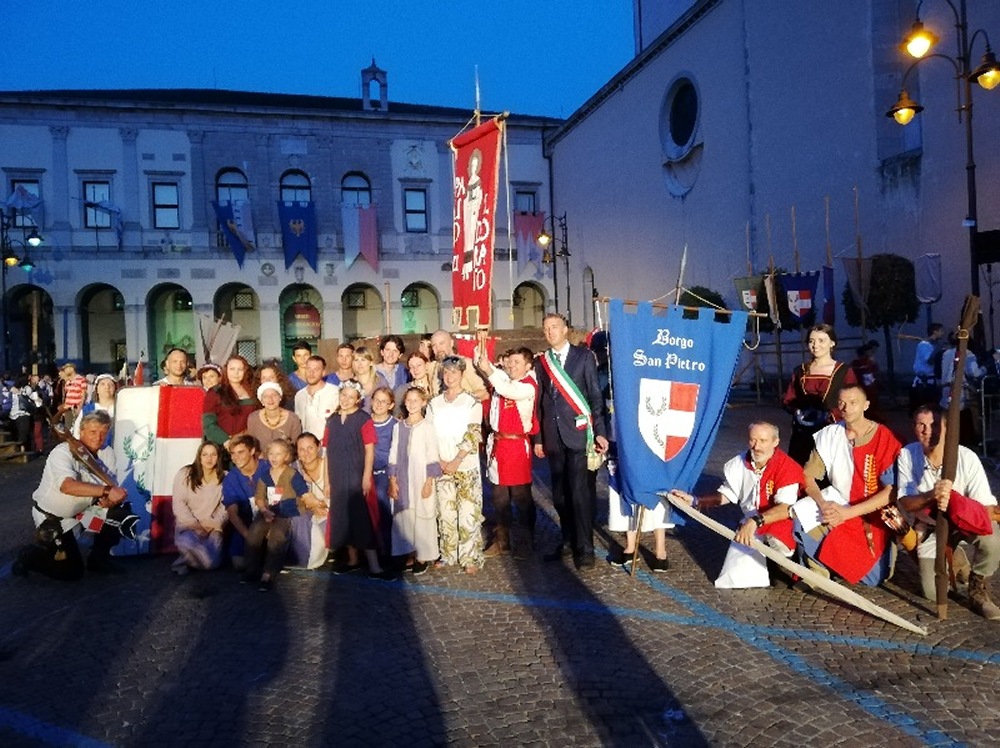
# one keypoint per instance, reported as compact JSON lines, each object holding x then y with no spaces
{"x":862,"y":286}
{"x":80,"y":452}
{"x":970,"y":313}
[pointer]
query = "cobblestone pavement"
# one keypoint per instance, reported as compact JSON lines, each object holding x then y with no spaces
{"x":525,"y":653}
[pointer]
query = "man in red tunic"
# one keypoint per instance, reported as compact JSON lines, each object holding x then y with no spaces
{"x":840,"y":528}
{"x":764,"y":482}
{"x":513,"y":421}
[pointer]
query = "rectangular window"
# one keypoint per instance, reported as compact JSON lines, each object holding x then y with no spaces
{"x":524,"y":202}
{"x":95,"y":192}
{"x":228,"y":193}
{"x":355,"y":299}
{"x":166,"y":206}
{"x":415,"y":210}
{"x":296,"y":194}
{"x":32,"y":187}
{"x":410,"y":299}
{"x":247,"y":349}
{"x":243,"y":300}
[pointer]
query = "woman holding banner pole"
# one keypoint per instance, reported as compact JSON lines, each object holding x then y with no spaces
{"x":811,"y":397}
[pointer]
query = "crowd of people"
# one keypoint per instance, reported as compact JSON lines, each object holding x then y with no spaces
{"x":373,"y":463}
{"x":379,"y":466}
{"x":847,"y":497}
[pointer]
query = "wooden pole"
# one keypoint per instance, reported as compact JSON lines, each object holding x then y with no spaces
{"x":949,"y":466}
{"x":776,"y":318}
{"x":795,"y":243}
{"x":810,"y":577}
{"x":749,"y":264}
{"x":860,"y":260}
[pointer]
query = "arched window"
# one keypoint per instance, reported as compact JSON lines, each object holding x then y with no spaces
{"x":355,"y":189}
{"x":231,"y":184}
{"x":295,"y":187}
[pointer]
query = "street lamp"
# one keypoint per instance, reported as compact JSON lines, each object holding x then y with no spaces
{"x":917,"y":44}
{"x":11,"y":260}
{"x":559,"y":248}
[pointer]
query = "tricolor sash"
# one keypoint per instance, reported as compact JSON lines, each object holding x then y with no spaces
{"x":571,"y":393}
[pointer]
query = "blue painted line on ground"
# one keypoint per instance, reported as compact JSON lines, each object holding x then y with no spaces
{"x":44,"y":732}
{"x":864,"y":700}
{"x":757,"y":636}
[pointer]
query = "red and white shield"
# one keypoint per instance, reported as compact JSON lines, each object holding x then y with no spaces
{"x":800,"y":302}
{"x":666,"y":415}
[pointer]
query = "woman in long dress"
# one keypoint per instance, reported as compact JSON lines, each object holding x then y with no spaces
{"x":413,"y":469}
{"x":350,"y":451}
{"x":198,"y":511}
{"x":813,"y":393}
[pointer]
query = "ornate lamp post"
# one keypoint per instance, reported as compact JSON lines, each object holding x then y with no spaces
{"x":11,"y":260}
{"x":917,"y":44}
{"x":560,"y":248}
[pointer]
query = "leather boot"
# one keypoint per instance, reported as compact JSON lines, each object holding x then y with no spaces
{"x":979,"y":598}
{"x":501,"y":543}
{"x":522,"y":542}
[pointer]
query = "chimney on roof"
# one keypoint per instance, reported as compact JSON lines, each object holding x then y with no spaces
{"x":374,"y":89}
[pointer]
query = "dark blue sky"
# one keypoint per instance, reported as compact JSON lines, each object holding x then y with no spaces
{"x":542,"y":57}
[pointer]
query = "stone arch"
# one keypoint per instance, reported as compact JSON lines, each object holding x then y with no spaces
{"x":102,"y":328}
{"x":420,"y":308}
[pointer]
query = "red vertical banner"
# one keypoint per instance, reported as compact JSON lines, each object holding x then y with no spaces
{"x":476,"y":172}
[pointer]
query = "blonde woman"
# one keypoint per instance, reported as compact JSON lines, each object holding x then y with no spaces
{"x":367,"y":376}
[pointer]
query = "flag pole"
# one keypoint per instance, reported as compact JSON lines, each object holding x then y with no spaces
{"x":829,"y":248}
{"x":749,"y":264}
{"x":388,"y":324}
{"x":478,"y":108}
{"x":680,"y":277}
{"x":795,"y":243}
{"x":776,"y":318}
{"x":860,"y":261}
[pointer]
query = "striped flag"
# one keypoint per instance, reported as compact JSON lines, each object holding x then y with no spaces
{"x":157,"y":432}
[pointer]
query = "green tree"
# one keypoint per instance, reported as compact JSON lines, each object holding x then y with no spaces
{"x":892,"y":300}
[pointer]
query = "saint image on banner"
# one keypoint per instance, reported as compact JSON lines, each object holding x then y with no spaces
{"x":476,"y":174}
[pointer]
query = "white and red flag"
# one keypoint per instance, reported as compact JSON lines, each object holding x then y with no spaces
{"x":157,"y":432}
{"x":476,"y":176}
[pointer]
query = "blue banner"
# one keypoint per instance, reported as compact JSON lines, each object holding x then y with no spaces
{"x":232,"y":228}
{"x":671,"y":379}
{"x":800,"y":291}
{"x":298,"y":232}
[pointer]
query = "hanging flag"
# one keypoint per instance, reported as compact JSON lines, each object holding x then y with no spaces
{"x":527,"y":228}
{"x":671,"y":381}
{"x":368,"y":234}
{"x":773,"y":290}
{"x":800,"y":290}
{"x":157,"y":432}
{"x":859,"y":276}
{"x":138,"y":379}
{"x":298,"y":232}
{"x":927,"y":269}
{"x":475,"y":163}
{"x":236,"y":223}
{"x":114,"y":212}
{"x":23,"y":201}
{"x":217,"y":339}
{"x":747,"y":290}
{"x":829,"y":299}
{"x":350,"y":221}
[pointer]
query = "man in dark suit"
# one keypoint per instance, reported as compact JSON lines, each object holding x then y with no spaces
{"x":571,"y":414}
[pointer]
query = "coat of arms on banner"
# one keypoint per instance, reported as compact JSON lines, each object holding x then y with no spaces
{"x":666,"y":415}
{"x":800,"y":302}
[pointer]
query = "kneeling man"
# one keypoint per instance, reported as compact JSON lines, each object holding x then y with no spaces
{"x":840,"y":528}
{"x":968,"y":502}
{"x":68,"y":489}
{"x":763,"y":482}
